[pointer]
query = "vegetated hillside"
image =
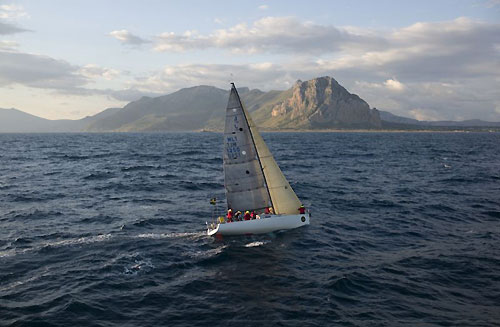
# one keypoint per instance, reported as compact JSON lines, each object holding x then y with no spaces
{"x":185,"y":110}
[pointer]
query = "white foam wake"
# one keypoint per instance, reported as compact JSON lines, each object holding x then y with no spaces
{"x":81,"y":240}
{"x":170,"y":235}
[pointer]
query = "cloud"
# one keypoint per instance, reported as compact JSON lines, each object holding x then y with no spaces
{"x":270,"y":34}
{"x":8,"y":45}
{"x":492,"y":3}
{"x":458,"y":100}
{"x":94,"y":71}
{"x":6,"y":28}
{"x":263,"y":7}
{"x":59,"y":76}
{"x":173,"y":77}
{"x":394,"y":85}
{"x":423,"y":51}
{"x":461,"y":48}
{"x":12,"y":12}
{"x":423,"y":114}
{"x":38,"y":71}
{"x":125,"y":37}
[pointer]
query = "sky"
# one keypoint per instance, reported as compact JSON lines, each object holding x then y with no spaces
{"x":429,"y":60}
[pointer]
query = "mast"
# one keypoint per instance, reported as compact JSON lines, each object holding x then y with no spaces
{"x":253,"y":141}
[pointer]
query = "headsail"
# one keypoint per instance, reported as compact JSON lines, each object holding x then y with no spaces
{"x":284,"y":199}
{"x":253,"y":180}
{"x":243,"y":177}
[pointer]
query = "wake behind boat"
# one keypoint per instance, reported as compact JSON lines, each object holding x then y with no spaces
{"x":253,"y":181}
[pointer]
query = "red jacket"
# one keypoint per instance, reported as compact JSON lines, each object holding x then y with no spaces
{"x":302,"y":210}
{"x":247,"y":216}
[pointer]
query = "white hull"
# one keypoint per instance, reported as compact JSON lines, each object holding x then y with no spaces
{"x":267,"y":224}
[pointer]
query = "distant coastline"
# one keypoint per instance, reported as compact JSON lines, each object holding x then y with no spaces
{"x":471,"y":130}
{"x":339,"y":130}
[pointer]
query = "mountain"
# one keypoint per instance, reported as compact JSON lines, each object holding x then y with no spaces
{"x":319,"y":103}
{"x":13,"y":120}
{"x":17,"y":121}
{"x":184,"y":110}
{"x":190,"y":109}
{"x":391,"y":120}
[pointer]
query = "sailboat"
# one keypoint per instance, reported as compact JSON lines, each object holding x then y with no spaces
{"x":253,"y":180}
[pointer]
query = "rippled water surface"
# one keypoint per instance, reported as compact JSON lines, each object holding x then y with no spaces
{"x":108,"y":229}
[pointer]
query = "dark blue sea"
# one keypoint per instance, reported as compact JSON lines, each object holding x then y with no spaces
{"x":109,"y":230}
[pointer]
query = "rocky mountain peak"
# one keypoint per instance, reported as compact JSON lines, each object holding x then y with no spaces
{"x":324,"y":102}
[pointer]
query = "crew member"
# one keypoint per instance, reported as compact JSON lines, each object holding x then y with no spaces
{"x":230,"y":215}
{"x":268,"y":211}
{"x":237,"y":216}
{"x":247,"y":215}
{"x":252,"y":215}
{"x":302,"y":209}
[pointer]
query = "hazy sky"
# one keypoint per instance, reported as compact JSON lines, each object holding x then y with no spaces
{"x":429,"y":60}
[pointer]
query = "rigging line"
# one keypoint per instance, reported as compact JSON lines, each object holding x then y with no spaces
{"x":256,"y":150}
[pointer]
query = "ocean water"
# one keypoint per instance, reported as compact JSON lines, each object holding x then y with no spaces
{"x":109,"y":230}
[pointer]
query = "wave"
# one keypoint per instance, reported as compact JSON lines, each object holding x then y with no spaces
{"x":36,"y":214}
{"x":98,"y":176}
{"x":139,"y":167}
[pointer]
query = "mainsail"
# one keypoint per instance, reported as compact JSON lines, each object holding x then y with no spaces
{"x":253,"y":180}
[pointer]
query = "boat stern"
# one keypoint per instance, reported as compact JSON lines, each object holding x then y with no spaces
{"x":212,"y":229}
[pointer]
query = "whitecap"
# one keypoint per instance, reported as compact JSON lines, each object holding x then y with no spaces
{"x":256,"y":243}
